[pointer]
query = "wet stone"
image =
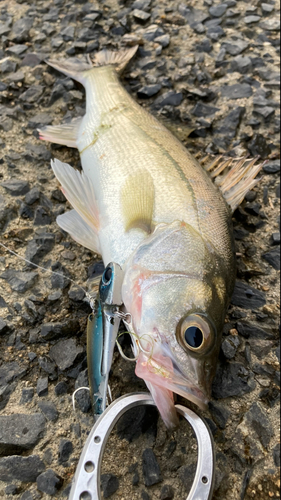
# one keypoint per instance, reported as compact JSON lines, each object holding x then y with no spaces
{"x":49,"y":482}
{"x":42,"y":386}
{"x":19,"y":468}
{"x":273,"y":258}
{"x":65,"y":353}
{"x":150,"y":468}
{"x":65,"y":450}
{"x":247,"y":297}
{"x":231,"y":379}
{"x":16,"y":187}
{"x":109,"y":484}
{"x":49,"y":410}
{"x":26,"y":395}
{"x":20,"y":432}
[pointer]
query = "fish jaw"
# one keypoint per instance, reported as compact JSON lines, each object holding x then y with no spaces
{"x":163,"y":379}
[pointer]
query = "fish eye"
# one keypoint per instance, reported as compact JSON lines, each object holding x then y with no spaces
{"x":196,"y":333}
{"x":107,"y":275}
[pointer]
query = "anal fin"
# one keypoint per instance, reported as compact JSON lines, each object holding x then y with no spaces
{"x":65,"y":134}
{"x":137,"y":201}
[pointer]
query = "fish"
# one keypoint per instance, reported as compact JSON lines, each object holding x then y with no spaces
{"x":144,"y":202}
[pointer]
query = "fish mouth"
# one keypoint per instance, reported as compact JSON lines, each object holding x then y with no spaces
{"x":161,"y":372}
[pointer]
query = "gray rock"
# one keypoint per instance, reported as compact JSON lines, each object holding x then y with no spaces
{"x":32,"y":94}
{"x":235,"y":47}
{"x":140,"y":15}
{"x":215,"y":33}
{"x":229,"y":125}
{"x":40,"y":246}
{"x":83,"y":399}
{"x":19,"y":281}
{"x":242,"y":64}
{"x":152,"y":32}
{"x":273,"y":258}
{"x":49,"y":482}
{"x":8,"y":66}
{"x":32,"y":196}
{"x":109,"y":484}
{"x":266,"y":112}
{"x":272,"y":167}
{"x":40,"y":120}
{"x":76,"y":293}
{"x":167,"y":492}
{"x":20,"y":432}
{"x":18,"y":468}
{"x":42,"y":217}
{"x":31,"y":59}
{"x":251,"y":19}
{"x":201,"y":109}
{"x":65,"y":450}
{"x":236,"y":91}
{"x":16,"y":187}
{"x":150,"y":468}
{"x":186,"y":475}
{"x":276,"y":454}
{"x":232,"y":379}
{"x":65,"y":352}
{"x":51,"y":331}
{"x":257,"y":420}
{"x":169,"y":98}
{"x":21,"y":30}
{"x":164,"y":40}
{"x":42,"y":386}
{"x":16,"y":50}
{"x":11,"y":489}
{"x":230,"y":345}
{"x":252,"y":330}
{"x":270,"y":24}
{"x":61,"y":388}
{"x":3,"y":326}
{"x":68,"y":33}
{"x":26,"y":395}
{"x":148,"y":91}
{"x":219,"y":413}
{"x":247,"y":297}
{"x":258,"y":146}
{"x":49,"y":410}
{"x":218,"y":10}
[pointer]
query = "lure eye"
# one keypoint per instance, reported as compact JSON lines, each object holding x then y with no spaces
{"x":107,"y":275}
{"x":196,"y":334}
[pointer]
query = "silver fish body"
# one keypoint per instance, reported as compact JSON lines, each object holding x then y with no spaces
{"x":147,"y":204}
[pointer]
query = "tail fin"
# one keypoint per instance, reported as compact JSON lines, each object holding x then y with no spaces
{"x":78,"y":69}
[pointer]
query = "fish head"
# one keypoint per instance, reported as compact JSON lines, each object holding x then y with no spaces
{"x":177,"y":292}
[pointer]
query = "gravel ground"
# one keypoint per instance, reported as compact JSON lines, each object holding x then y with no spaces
{"x":202,"y":67}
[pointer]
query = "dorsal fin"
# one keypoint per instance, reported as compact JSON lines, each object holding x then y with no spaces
{"x":233,"y":176}
{"x":137,"y":201}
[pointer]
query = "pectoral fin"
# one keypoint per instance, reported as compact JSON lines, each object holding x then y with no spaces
{"x":137,"y":201}
{"x":65,"y":134}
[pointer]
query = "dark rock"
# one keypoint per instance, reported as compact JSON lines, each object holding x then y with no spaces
{"x":76,"y":293}
{"x":218,"y":10}
{"x":163,"y":40}
{"x":42,"y":217}
{"x":42,"y":386}
{"x":31,"y":59}
{"x":204,"y":46}
{"x":21,"y":30}
{"x":32,"y":196}
{"x":253,"y":208}
{"x":148,"y":91}
{"x":152,"y":32}
{"x":137,"y":421}
{"x":276,"y":454}
{"x":26,"y":395}
{"x":228,"y":126}
{"x":65,"y":352}
{"x":26,"y":212}
{"x":58,"y":195}
{"x":275,"y":239}
{"x":19,"y":281}
{"x":61,"y":388}
{"x":51,"y":331}
{"x":140,"y":15}
{"x":16,"y":468}
{"x":266,"y":112}
{"x":40,"y":120}
{"x":109,"y":484}
{"x":169,"y":98}
{"x":8,"y":66}
{"x":215,"y":33}
{"x":186,"y":475}
{"x":150,"y":468}
{"x":247,"y":297}
{"x":236,"y":91}
{"x":167,"y":492}
{"x":83,"y":399}
{"x":11,"y":489}
{"x":240,"y":233}
{"x":60,"y":278}
{"x":273,"y":257}
{"x":252,"y":330}
{"x":201,"y":109}
{"x":68,"y":33}
{"x":257,"y":419}
{"x":235,"y":47}
{"x":145,"y":495}
{"x":49,"y":482}
{"x":20,"y":432}
{"x":260,"y":347}
{"x":65,"y":450}
{"x":32,"y":94}
{"x":40,"y":246}
{"x":272,"y":167}
{"x":232,"y":379}
{"x":230,"y":345}
{"x":241,"y":64}
{"x":16,"y":187}
{"x":258,"y":146}
{"x":219,"y":413}
{"x":49,"y":410}
{"x":37,"y":153}
{"x":3,"y":325}
{"x":16,"y":50}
